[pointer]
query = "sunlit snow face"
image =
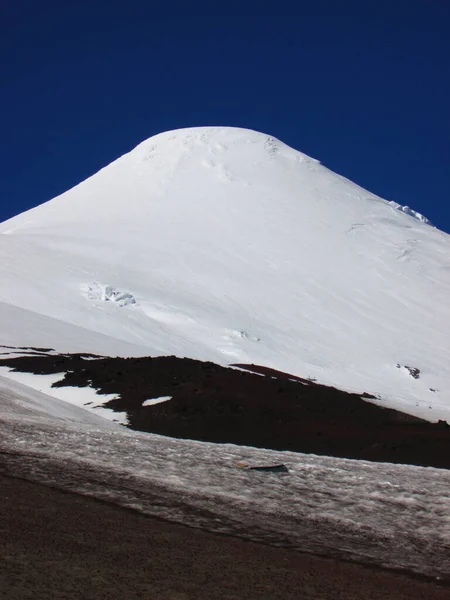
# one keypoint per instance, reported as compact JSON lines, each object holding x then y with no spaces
{"x":199,"y":234}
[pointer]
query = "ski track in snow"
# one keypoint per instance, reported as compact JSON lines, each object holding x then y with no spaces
{"x":376,"y":513}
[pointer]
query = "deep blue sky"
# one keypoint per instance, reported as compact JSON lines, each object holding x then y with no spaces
{"x":362,"y":86}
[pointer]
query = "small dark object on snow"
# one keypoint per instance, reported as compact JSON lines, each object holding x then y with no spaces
{"x":271,"y":469}
{"x":413,"y":371}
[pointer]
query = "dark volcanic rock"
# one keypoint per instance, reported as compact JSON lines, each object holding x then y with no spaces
{"x":269,"y":409}
{"x":413,"y":371}
{"x":57,"y":545}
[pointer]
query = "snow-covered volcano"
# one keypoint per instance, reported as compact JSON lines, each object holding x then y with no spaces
{"x":227,"y":245}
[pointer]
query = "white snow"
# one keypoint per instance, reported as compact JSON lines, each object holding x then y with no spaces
{"x":411,"y":212}
{"x":26,"y":403}
{"x":152,"y":401}
{"x":107,"y":293}
{"x":226,"y":245}
{"x":21,"y":327}
{"x":83,"y":397}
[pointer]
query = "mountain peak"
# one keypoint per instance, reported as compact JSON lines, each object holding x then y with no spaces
{"x":211,"y":146}
{"x":224,"y":244}
{"x":214,"y":137}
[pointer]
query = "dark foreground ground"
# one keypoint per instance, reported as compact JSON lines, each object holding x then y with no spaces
{"x":60,"y":546}
{"x":266,"y":408}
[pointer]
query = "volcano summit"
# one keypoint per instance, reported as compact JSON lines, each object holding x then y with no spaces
{"x":226,"y":245}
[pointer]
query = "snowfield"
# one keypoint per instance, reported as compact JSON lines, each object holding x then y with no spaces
{"x":224,"y":244}
{"x":375,"y":513}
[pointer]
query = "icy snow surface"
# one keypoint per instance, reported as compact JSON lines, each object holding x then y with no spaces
{"x":376,"y":513}
{"x":225,"y":244}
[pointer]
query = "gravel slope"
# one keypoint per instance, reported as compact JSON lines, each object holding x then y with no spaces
{"x":64,"y":546}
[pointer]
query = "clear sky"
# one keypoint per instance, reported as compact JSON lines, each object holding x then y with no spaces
{"x":362,"y":86}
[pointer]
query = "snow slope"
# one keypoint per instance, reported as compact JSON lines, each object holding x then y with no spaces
{"x":23,"y":403}
{"x":225,"y":244}
{"x":376,"y":513}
